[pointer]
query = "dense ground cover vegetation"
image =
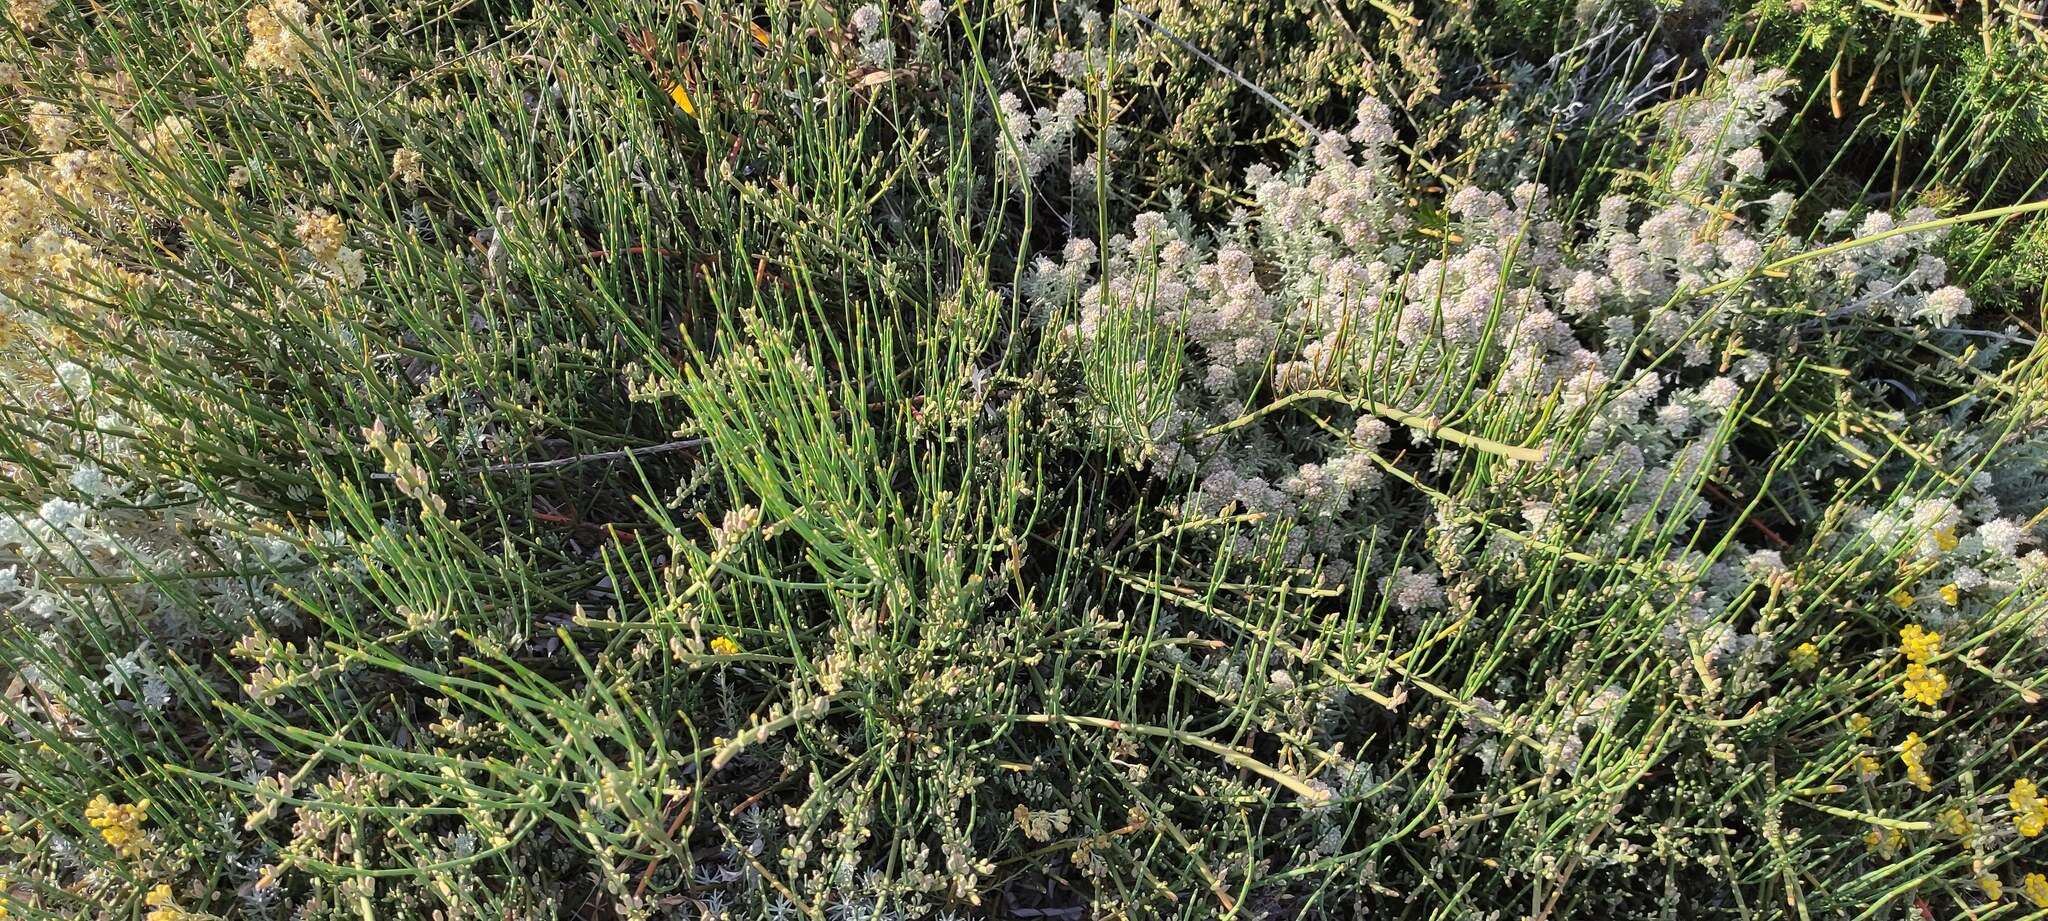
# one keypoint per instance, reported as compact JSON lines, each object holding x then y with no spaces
{"x":1021,"y":459}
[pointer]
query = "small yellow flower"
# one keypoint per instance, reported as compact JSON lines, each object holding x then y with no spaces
{"x":725,"y":646}
{"x":162,"y":907}
{"x":2029,"y":810}
{"x":1945,"y":538}
{"x":1951,"y":595}
{"x":30,"y":15}
{"x":1902,"y":598}
{"x":1885,"y":841}
{"x":119,"y":824}
{"x":278,"y":36}
{"x":1925,"y":684}
{"x":2036,"y":888}
{"x":1919,"y":644}
{"x":407,"y":166}
{"x":1994,"y":888}
{"x":1866,"y":765}
{"x":682,"y":99}
{"x":1956,"y":823}
{"x":1912,"y":753}
{"x":1859,"y":724}
{"x":1804,"y":657}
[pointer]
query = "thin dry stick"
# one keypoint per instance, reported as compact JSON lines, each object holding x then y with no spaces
{"x":1423,"y":424}
{"x":675,"y":825}
{"x":516,"y":467}
{"x":1777,"y":268}
{"x":1234,"y":757}
{"x":1268,"y":98}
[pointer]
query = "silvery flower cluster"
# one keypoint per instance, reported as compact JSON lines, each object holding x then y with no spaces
{"x":100,"y":541}
{"x":1035,"y":140}
{"x":1624,"y":339}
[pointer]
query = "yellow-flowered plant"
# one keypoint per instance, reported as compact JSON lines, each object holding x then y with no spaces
{"x":1957,"y":823}
{"x":162,"y":907}
{"x":1804,"y":657}
{"x":725,"y":646}
{"x":1918,"y":644}
{"x":1924,"y":684}
{"x":2035,"y":887}
{"x":1912,"y":753}
{"x":119,"y":824}
{"x":1992,"y":886}
{"x":2029,"y":810}
{"x":1887,"y":842}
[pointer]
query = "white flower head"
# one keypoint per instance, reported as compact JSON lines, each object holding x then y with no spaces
{"x":93,"y":483}
{"x":75,"y":378}
{"x":2003,"y":536}
{"x":1720,"y":393}
{"x":61,"y":513}
{"x":281,"y":33}
{"x":1748,"y":162}
{"x":1414,"y":591}
{"x":866,"y":21}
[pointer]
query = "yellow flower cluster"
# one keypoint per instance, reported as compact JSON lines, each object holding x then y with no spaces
{"x":119,"y":824}
{"x":162,"y":907}
{"x":278,"y":33}
{"x":52,"y":129}
{"x":1956,"y":823}
{"x":2029,"y":810}
{"x":30,"y":15}
{"x":725,"y":646}
{"x":1911,"y":754}
{"x":407,"y":166}
{"x":325,"y":236}
{"x":2034,"y":886}
{"x":44,"y":246}
{"x":1885,"y":841}
{"x":1924,"y":684}
{"x":322,"y":234}
{"x":1919,"y":644}
{"x":1804,"y":657}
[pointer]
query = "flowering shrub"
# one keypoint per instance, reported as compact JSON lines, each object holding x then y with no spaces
{"x":1334,"y":288}
{"x":1312,"y":364}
